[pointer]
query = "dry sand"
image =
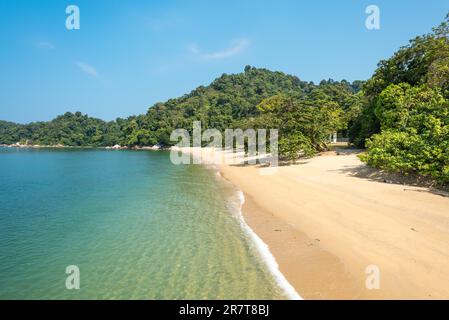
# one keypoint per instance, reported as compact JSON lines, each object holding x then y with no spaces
{"x":328,"y":218}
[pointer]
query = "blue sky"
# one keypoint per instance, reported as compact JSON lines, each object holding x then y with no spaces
{"x":130,"y":54}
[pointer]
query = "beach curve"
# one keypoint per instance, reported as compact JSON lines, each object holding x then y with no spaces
{"x":327,"y":223}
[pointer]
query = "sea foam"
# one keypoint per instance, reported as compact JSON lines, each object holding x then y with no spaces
{"x":266,"y":255}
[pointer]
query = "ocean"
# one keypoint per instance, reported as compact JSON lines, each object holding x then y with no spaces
{"x":135,"y":225}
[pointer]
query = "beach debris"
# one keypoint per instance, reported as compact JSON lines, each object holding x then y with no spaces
{"x":413,"y":229}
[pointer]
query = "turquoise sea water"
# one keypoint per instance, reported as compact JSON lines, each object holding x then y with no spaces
{"x":137,"y":227}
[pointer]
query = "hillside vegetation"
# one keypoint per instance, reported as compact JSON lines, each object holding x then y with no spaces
{"x":228,"y":102}
{"x":404,"y":121}
{"x":400,"y":115}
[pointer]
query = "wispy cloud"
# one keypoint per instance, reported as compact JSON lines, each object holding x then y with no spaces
{"x":236,"y":48}
{"x":45,"y":45}
{"x":87,"y":68}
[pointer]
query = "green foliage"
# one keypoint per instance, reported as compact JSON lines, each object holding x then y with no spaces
{"x":424,"y":61}
{"x":415,"y":132}
{"x":70,"y":129}
{"x":304,"y":123}
{"x":401,"y":114}
{"x":229,"y":101}
{"x":409,"y":153}
{"x":295,"y":145}
{"x":408,"y":102}
{"x":10,"y":132}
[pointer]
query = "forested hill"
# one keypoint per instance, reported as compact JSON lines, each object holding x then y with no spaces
{"x":227,"y":99}
{"x":400,"y":114}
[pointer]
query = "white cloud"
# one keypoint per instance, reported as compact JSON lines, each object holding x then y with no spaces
{"x":193,"y":48}
{"x":235,"y":48}
{"x":44,"y":45}
{"x":86,"y":68}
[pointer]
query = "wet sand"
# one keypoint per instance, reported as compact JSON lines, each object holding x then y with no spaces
{"x":328,"y":218}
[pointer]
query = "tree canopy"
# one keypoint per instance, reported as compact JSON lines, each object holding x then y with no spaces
{"x":404,"y":121}
{"x":229,"y":101}
{"x":400,"y":114}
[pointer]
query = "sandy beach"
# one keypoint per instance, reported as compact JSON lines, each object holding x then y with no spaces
{"x":328,"y":218}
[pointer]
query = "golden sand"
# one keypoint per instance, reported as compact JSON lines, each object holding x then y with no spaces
{"x":327,"y":219}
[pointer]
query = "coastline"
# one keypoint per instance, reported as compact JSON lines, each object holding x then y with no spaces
{"x":320,"y":223}
{"x":302,"y":265}
{"x":325,"y":221}
{"x":213,"y":158}
{"x":267,"y":255}
{"x":60,"y":146}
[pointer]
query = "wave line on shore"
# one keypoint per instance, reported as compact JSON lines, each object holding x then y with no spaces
{"x":267,"y":256}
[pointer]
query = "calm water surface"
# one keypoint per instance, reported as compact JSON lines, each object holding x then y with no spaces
{"x":137,"y":227}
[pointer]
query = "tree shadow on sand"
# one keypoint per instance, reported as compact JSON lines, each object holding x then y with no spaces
{"x":281,"y":163}
{"x":363,"y":171}
{"x":264,"y":162}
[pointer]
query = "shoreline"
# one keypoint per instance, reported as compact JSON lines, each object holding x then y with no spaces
{"x":267,"y":255}
{"x":116,"y":147}
{"x":108,"y":148}
{"x":293,"y":269}
{"x":263,"y":249}
{"x":296,"y":269}
{"x":327,"y":222}
{"x":321,"y":223}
